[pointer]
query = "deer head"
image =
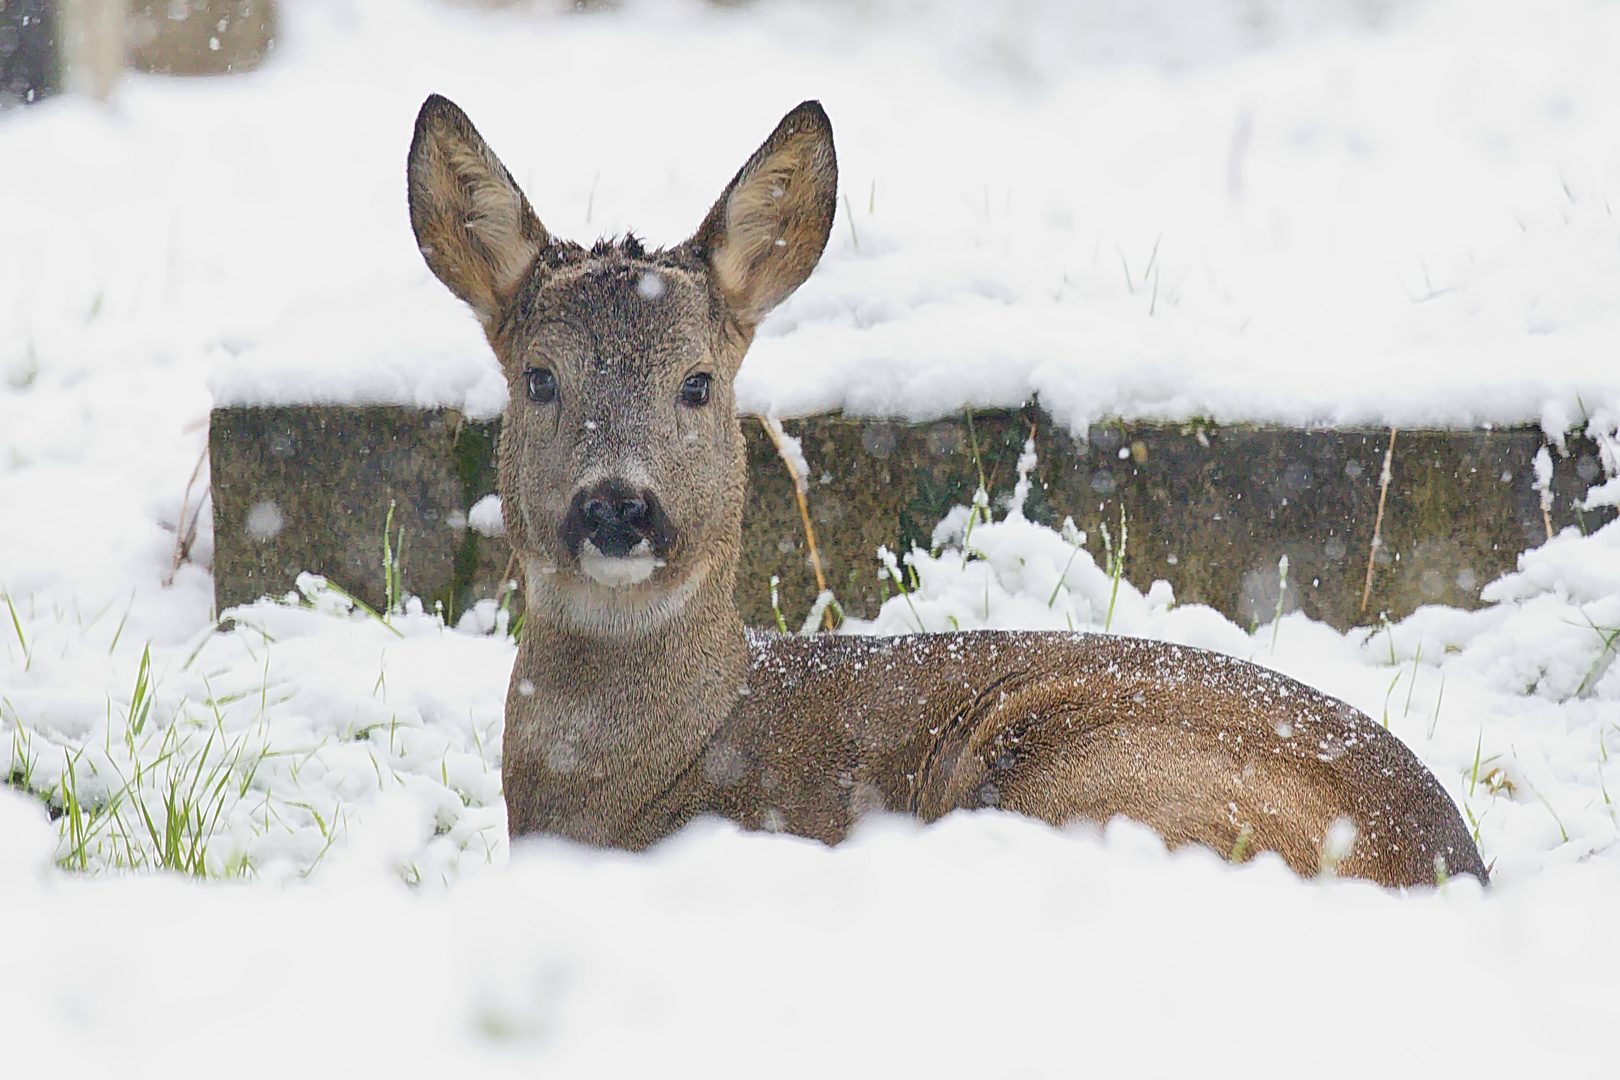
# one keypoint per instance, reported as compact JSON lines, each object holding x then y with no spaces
{"x":621,"y":460}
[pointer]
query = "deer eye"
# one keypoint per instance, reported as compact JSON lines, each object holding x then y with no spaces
{"x":695,"y":390}
{"x":542,"y":385}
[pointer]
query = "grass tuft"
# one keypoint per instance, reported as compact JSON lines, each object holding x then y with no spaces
{"x":825,"y":602}
{"x":22,"y":638}
{"x":1116,"y":564}
{"x":359,"y":604}
{"x":1416,"y":658}
{"x":1282,"y":594}
{"x":1609,"y":637}
{"x":140,"y":700}
{"x":776,"y":603}
{"x":891,"y":569}
{"x":1075,"y":539}
{"x":393,"y":554}
{"x":1439,"y":698}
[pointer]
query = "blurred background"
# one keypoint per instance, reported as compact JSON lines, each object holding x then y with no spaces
{"x":47,"y":46}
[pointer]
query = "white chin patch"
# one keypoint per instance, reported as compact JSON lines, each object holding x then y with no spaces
{"x":631,"y":568}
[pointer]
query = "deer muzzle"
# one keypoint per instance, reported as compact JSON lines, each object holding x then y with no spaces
{"x":618,"y":534}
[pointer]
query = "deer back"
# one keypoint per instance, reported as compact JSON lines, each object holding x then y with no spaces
{"x":1202,"y":747}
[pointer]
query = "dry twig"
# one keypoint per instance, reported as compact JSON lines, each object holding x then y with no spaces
{"x":185,"y":526}
{"x":801,"y":485}
{"x":1378,"y":523}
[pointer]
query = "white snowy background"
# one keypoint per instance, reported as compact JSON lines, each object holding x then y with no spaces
{"x":1296,"y":211}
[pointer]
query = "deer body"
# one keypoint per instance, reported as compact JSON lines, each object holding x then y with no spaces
{"x":638,"y":701}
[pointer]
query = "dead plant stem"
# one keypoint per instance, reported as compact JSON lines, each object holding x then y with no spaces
{"x":1378,"y":522}
{"x":773,"y":428}
{"x":185,"y":525}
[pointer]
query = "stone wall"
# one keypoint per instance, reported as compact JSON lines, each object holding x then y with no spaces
{"x":1209,"y":509}
{"x":29,"y":65}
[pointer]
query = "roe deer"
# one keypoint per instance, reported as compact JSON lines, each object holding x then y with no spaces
{"x":638,"y":701}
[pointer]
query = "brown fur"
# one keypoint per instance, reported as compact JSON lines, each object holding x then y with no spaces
{"x":638,"y":701}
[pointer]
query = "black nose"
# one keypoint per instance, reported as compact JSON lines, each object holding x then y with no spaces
{"x":615,"y":518}
{"x":603,"y":514}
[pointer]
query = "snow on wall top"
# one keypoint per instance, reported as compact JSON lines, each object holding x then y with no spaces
{"x":1171,"y":210}
{"x":382,"y":346}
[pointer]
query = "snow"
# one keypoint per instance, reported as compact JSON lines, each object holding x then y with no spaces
{"x":1307,"y":212}
{"x":1152,"y":240}
{"x":485,"y":516}
{"x":365,"y":347}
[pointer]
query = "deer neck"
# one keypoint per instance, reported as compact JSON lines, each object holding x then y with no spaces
{"x":601,"y":725}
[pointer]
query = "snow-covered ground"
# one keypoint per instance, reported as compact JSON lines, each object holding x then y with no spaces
{"x":1301,"y":211}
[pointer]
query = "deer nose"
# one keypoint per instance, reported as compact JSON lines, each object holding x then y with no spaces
{"x":617,"y":519}
{"x":609,"y":513}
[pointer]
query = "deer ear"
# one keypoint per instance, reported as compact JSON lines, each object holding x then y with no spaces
{"x":475,"y":228}
{"x":768,"y":229}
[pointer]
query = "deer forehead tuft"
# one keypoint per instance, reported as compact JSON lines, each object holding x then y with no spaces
{"x":620,"y":304}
